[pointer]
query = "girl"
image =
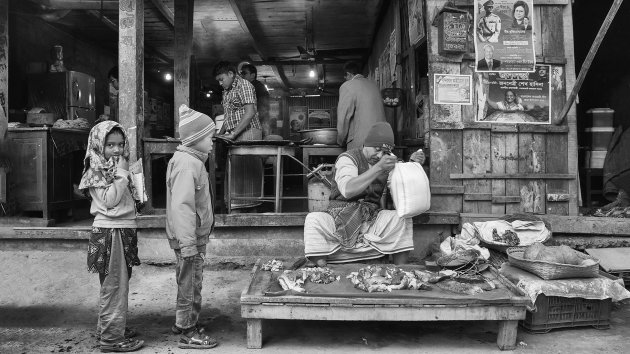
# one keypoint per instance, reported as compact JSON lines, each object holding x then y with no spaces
{"x":113,"y":246}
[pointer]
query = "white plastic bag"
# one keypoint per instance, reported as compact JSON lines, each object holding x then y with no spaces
{"x":410,"y":189}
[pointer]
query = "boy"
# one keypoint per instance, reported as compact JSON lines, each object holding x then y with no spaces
{"x":189,"y":221}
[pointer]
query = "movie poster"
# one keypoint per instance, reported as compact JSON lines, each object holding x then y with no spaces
{"x":452,"y":89}
{"x":515,"y":97}
{"x":297,"y":118}
{"x":504,"y":40}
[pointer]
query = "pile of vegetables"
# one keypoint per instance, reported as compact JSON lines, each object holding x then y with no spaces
{"x":295,"y":279}
{"x":379,"y":278}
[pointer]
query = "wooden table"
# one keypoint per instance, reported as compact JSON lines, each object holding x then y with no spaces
{"x":507,"y":309}
{"x":259,"y":150}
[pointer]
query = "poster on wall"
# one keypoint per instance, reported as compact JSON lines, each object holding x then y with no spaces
{"x":416,"y":22}
{"x":515,"y":97}
{"x":504,"y":40}
{"x":319,"y":118}
{"x":297,"y":118}
{"x":452,"y":89}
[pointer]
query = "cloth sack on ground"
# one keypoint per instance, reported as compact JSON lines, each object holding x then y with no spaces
{"x":410,"y":189}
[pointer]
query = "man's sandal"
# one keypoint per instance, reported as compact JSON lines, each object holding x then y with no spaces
{"x":196,"y":341}
{"x":128,"y":345}
{"x":129,"y":333}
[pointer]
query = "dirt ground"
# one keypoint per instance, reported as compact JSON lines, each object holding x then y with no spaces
{"x":48,"y":303}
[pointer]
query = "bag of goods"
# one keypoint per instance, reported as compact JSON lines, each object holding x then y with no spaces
{"x":560,"y":254}
{"x":410,"y":189}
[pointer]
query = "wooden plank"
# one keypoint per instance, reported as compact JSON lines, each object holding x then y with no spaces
{"x":512,"y":176}
{"x":543,"y":129}
{"x":532,"y":161}
{"x":557,"y":156}
{"x":572,"y":143}
{"x":469,"y":111}
{"x":446,"y":158}
{"x":505,"y":128}
{"x":552,"y":34}
{"x":511,"y":167}
{"x":497,"y":161}
{"x":537,"y":28}
{"x":556,"y":197}
{"x":476,"y":150}
{"x":447,"y":189}
{"x":131,"y":75}
{"x":183,"y":53}
{"x":504,"y":199}
{"x":472,"y":197}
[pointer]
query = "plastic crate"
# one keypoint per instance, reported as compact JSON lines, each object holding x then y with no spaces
{"x":562,"y":312}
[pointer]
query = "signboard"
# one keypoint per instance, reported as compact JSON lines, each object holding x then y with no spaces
{"x":452,"y":89}
{"x":504,"y":40}
{"x":453,"y":33}
{"x":515,"y":97}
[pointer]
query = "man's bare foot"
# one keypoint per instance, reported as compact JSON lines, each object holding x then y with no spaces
{"x":316,"y":262}
{"x":401,"y":257}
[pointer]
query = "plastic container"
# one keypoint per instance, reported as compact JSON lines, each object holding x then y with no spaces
{"x":601,"y":117}
{"x":600,"y":137}
{"x":595,"y":159}
{"x":562,"y":312}
{"x":318,"y":195}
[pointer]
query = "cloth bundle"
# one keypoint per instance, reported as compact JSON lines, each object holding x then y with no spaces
{"x":410,"y":189}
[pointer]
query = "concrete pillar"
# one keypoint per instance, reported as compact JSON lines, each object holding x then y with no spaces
{"x":131,"y":73}
{"x":183,"y":52}
{"x":4,"y":68}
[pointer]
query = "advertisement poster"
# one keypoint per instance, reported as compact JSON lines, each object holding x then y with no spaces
{"x":515,"y":97}
{"x":297,"y":118}
{"x":504,"y":40}
{"x":416,"y":22}
{"x":452,"y":89}
{"x":319,"y":118}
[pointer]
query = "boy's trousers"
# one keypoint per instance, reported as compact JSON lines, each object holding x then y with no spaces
{"x":189,"y":274}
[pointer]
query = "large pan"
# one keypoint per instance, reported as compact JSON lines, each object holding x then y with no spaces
{"x":326,"y":136}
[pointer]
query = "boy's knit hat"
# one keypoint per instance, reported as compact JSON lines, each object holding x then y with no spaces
{"x":380,"y":135}
{"x":193,"y":125}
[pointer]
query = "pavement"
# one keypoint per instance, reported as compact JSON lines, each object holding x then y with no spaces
{"x":48,"y":304}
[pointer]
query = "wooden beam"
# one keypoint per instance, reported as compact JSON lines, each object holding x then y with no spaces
{"x":78,"y":4}
{"x":165,"y":11}
{"x":467,"y":3}
{"x":589,"y":60}
{"x":183,"y":53}
{"x":131,"y":73}
{"x":257,"y":42}
{"x":4,"y":69}
{"x":299,"y":62}
{"x":149,"y":51}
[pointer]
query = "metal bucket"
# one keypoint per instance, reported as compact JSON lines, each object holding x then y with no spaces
{"x":318,"y":195}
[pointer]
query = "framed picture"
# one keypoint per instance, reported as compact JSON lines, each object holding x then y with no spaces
{"x":319,"y":118}
{"x":452,"y":89}
{"x":297,"y":118}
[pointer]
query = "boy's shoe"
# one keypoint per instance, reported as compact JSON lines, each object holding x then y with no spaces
{"x":129,"y":333}
{"x":196,"y":340}
{"x":177,"y":330}
{"x":127,"y":345}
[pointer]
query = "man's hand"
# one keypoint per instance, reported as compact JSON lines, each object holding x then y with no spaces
{"x":387,"y":163}
{"x":418,"y":157}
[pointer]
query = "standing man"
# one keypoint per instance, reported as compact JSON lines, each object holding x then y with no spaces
{"x":241,"y":124}
{"x":249,"y":73}
{"x":489,"y":26}
{"x":360,"y":106}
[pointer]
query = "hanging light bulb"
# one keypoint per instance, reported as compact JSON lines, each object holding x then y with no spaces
{"x":168,"y":77}
{"x":311,"y":73}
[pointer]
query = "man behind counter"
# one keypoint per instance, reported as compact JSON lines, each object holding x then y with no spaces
{"x":249,"y":73}
{"x":356,"y":226}
{"x":360,"y":106}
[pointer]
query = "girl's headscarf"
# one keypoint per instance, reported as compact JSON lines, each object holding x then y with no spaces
{"x":97,"y":171}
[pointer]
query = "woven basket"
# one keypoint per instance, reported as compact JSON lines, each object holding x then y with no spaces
{"x":550,"y":270}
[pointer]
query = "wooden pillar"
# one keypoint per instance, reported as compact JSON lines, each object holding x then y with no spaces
{"x":183,"y":52}
{"x":131,"y":73}
{"x":4,"y":68}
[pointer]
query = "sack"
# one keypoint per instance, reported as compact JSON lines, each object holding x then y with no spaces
{"x":410,"y":189}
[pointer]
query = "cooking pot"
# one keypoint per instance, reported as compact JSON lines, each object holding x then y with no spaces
{"x":326,"y":136}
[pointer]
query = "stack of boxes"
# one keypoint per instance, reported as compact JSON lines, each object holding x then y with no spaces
{"x":600,"y":133}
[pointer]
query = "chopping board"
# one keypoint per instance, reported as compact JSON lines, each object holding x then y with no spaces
{"x":614,"y":260}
